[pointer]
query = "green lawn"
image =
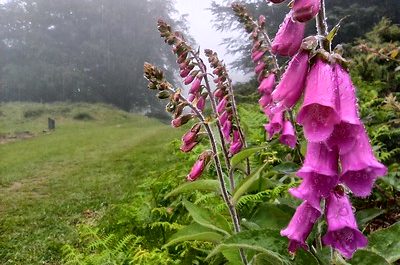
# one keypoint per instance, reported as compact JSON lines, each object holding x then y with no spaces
{"x":51,"y":182}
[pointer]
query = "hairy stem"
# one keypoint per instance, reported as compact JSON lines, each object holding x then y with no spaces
{"x":298,"y":147}
{"x":322,"y":28}
{"x":237,"y":119}
{"x":214,"y":109}
{"x":269,"y":43}
{"x":225,"y":195}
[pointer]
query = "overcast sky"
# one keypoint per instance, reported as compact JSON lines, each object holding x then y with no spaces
{"x":201,"y":29}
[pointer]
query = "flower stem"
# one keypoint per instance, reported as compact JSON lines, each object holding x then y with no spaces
{"x":322,"y":28}
{"x":237,"y":119}
{"x":225,"y":195}
{"x":214,"y":109}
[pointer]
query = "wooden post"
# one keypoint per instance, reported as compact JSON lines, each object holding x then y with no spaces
{"x":51,"y":124}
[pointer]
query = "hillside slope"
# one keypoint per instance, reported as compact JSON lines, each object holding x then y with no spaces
{"x":49,"y":181}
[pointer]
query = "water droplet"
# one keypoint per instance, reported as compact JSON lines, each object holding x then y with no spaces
{"x":344,"y":211}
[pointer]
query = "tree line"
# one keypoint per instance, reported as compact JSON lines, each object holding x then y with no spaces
{"x":81,"y":50}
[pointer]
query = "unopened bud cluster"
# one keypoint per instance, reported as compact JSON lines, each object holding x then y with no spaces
{"x":223,"y":99}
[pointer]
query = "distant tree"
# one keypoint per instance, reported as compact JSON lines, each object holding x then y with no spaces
{"x":81,"y":50}
{"x":360,"y":17}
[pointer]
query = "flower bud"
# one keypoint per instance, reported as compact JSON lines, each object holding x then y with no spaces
{"x":267,"y":85}
{"x":305,"y":10}
{"x":226,"y":130}
{"x":257,"y":55}
{"x":222,"y":105}
{"x":163,"y":94}
{"x":188,"y":147}
{"x":181,"y":120}
{"x":223,"y":117}
{"x":265,"y":100}
{"x":289,"y":37}
{"x":195,"y":85}
{"x":189,"y":79}
{"x":184,"y":72}
{"x":289,"y":90}
{"x":236,"y":144}
{"x":199,"y":166}
{"x":260,"y":67}
{"x":201,"y":103}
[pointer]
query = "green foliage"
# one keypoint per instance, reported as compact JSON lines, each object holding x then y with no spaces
{"x":83,"y":116}
{"x":109,"y":249}
{"x":55,"y":181}
{"x":188,"y":223}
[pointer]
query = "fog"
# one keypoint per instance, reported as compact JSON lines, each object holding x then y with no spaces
{"x":201,"y":28}
{"x":94,"y":51}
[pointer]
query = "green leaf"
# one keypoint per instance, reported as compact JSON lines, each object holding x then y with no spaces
{"x":335,"y":30}
{"x":245,"y":153}
{"x":305,"y":257}
{"x":365,"y":257}
{"x":207,"y":218}
{"x":272,"y":216}
{"x":233,"y":256}
{"x":246,"y":184}
{"x":198,"y":185}
{"x":386,"y":242}
{"x":263,"y":259}
{"x":194,"y":232}
{"x":286,"y":167}
{"x":266,"y":241}
{"x":273,"y":256}
{"x":364,"y":216}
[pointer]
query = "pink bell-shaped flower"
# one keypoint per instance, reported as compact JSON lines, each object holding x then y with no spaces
{"x":300,"y":226}
{"x":360,"y":168}
{"x":319,"y":174}
{"x":199,"y":166}
{"x":265,"y":100}
{"x":195,"y":88}
{"x":257,"y":55}
{"x":288,"y":136}
{"x":236,"y":144}
{"x":226,"y":130}
{"x":288,"y":39}
{"x":222,"y":105}
{"x":343,"y":234}
{"x":187,"y":147}
{"x":189,"y":79}
{"x":289,"y":90}
{"x":267,"y":85}
{"x":350,"y":126}
{"x":223,"y":118}
{"x":319,"y":112}
{"x":319,"y":159}
{"x":260,"y":67}
{"x":201,"y":103}
{"x":305,"y":10}
{"x":275,"y":124}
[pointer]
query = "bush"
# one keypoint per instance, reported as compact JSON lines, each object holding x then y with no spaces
{"x":83,"y":116}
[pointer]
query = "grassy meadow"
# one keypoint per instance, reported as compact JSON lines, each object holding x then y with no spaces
{"x":50,"y":182}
